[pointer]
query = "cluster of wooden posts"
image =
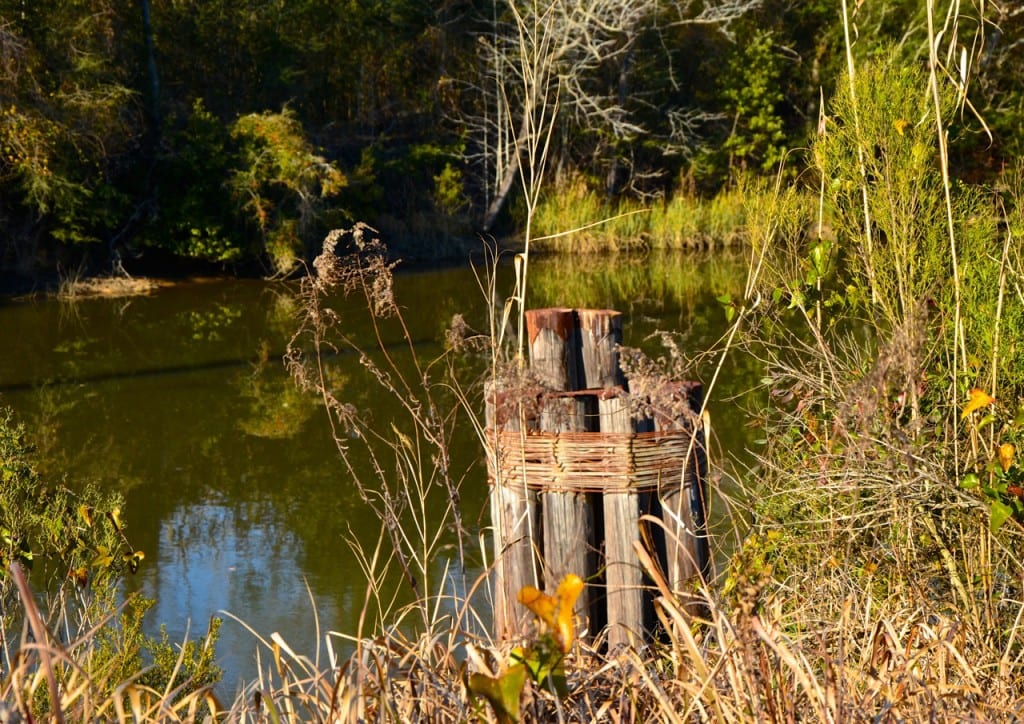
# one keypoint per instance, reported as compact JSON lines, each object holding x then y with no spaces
{"x":579,"y":480}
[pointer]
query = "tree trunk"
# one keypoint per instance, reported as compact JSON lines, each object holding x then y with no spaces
{"x":508,"y":179}
{"x":153,"y":91}
{"x":617,"y":171}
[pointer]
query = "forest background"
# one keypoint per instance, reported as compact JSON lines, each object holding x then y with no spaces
{"x":140,"y":134}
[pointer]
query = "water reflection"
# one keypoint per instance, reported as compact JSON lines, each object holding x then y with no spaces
{"x":232,"y":482}
{"x":213,"y":556}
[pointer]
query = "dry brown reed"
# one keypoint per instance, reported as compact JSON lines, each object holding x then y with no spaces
{"x":50,"y":676}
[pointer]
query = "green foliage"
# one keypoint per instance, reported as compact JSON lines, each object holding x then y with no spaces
{"x":79,"y":539}
{"x":197,"y":668}
{"x":998,"y":92}
{"x":229,"y":194}
{"x":196,"y":218}
{"x":752,"y":93}
{"x":381,"y":83}
{"x":1000,"y":479}
{"x":51,"y":166}
{"x":993,"y":314}
{"x":68,"y":114}
{"x":79,"y":536}
{"x":449,"y":190}
{"x":280,"y":184}
{"x":122,"y":652}
{"x":879,"y":161}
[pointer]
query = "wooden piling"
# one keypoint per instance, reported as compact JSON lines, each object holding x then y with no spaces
{"x":600,"y":338}
{"x":567,"y":514}
{"x":684,"y":498}
{"x":554,"y":348}
{"x":600,"y":333}
{"x":623,"y":575}
{"x":513,"y":518}
{"x":573,"y":472}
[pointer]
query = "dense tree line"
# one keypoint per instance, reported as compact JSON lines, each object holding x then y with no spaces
{"x":236,"y":131}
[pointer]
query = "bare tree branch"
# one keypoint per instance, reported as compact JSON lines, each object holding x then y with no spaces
{"x":575,"y":55}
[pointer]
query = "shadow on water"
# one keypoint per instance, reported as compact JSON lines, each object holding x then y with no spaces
{"x":232,"y":482}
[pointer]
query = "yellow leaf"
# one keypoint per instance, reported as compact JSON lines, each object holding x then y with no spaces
{"x":403,"y":438}
{"x":978,"y":399}
{"x":1006,"y":452}
{"x":540,"y":604}
{"x":568,"y":591}
{"x":555,"y":611}
{"x":900,"y":124}
{"x":86,"y":513}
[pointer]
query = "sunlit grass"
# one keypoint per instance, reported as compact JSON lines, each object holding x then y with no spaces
{"x":574,"y":218}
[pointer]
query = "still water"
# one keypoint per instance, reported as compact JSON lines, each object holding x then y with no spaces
{"x":232,"y":483}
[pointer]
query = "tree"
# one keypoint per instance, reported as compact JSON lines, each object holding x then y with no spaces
{"x":280,"y":183}
{"x":69,"y":121}
{"x":567,"y":65}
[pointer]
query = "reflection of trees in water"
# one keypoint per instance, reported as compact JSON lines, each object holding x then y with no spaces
{"x":624,"y":281}
{"x":77,"y":456}
{"x":276,"y":408}
{"x":242,"y":557}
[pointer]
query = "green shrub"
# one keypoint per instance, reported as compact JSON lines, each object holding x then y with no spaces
{"x":879,"y":159}
{"x":195,"y":218}
{"x":279,"y":184}
{"x":753,"y":90}
{"x":77,"y":536}
{"x":76,"y":541}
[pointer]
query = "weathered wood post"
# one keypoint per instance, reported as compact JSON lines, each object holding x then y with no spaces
{"x":573,"y":471}
{"x":601,"y":337}
{"x":567,"y":513}
{"x":513,"y":512}
{"x":684,"y":499}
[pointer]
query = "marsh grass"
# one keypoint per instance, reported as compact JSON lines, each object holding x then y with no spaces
{"x":572,"y":218}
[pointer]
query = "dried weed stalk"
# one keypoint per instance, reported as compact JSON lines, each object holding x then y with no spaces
{"x":409,"y":458}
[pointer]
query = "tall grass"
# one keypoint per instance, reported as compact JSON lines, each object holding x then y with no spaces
{"x":571,"y":218}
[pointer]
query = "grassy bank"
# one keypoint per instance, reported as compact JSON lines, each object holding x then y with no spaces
{"x":574,"y":218}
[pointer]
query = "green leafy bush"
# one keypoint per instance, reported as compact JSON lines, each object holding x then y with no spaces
{"x":754,"y":89}
{"x":78,"y":539}
{"x":196,"y":218}
{"x":74,"y":535}
{"x":878,"y":156}
{"x":279,"y":184}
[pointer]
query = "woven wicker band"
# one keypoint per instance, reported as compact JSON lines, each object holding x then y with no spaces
{"x":592,"y":462}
